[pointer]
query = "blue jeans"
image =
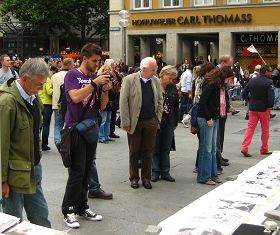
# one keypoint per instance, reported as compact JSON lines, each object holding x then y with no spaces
{"x":161,"y":159}
{"x":184,"y":106}
{"x":207,"y":164}
{"x":35,"y":205}
{"x":93,"y":181}
{"x":58,"y":125}
{"x":104,"y":130}
{"x":47,"y":115}
{"x":277,"y":98}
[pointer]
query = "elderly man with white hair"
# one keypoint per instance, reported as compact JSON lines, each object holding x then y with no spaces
{"x":141,"y":105}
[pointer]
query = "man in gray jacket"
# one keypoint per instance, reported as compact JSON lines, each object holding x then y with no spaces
{"x":141,"y":105}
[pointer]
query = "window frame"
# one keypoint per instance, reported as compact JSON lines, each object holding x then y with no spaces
{"x":201,"y":5}
{"x":142,"y":4}
{"x":237,"y":2}
{"x":171,"y":1}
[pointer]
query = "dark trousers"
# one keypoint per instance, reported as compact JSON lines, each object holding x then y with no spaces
{"x":220,"y":140}
{"x":82,"y":155}
{"x":113,"y":122}
{"x":142,"y":143}
{"x":161,"y":159}
{"x":47,"y":115}
{"x":184,"y":106}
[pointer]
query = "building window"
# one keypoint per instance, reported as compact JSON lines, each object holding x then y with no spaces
{"x":269,"y":1}
{"x":171,"y":3}
{"x":233,"y":2}
{"x":142,"y":4}
{"x":201,"y":3}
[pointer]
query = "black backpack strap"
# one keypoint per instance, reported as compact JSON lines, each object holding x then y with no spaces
{"x":14,"y":74}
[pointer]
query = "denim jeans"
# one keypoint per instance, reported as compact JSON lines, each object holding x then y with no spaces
{"x":58,"y":125}
{"x":277,"y":98}
{"x":104,"y":130}
{"x":93,"y":181}
{"x":47,"y":115}
{"x":207,"y":165}
{"x":161,"y":159}
{"x":35,"y":205}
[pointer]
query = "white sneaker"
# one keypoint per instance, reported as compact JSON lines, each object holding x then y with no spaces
{"x":89,"y":215}
{"x":71,"y":221}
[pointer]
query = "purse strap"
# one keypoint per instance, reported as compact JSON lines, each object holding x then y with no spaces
{"x":83,"y":110}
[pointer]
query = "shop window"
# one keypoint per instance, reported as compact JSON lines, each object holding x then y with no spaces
{"x":171,"y":3}
{"x":142,"y":4}
{"x":203,"y":3}
{"x":233,"y":2}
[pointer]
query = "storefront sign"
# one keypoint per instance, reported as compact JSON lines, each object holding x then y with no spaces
{"x":194,"y":20}
{"x":257,"y":38}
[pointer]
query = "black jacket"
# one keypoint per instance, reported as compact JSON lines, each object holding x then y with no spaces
{"x":276,"y":78}
{"x":209,"y":103}
{"x":259,"y":91}
{"x":173,"y":98}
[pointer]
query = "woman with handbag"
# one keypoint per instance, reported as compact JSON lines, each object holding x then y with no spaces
{"x":161,"y":160}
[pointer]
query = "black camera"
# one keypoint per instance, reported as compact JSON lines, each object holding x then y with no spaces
{"x":112,"y":78}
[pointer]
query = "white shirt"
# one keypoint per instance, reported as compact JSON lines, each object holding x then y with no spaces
{"x":186,"y":81}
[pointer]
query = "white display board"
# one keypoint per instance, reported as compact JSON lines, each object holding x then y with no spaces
{"x":222,"y":210}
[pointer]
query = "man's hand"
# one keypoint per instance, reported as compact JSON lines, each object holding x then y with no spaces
{"x":126,"y":128}
{"x":210,"y":122}
{"x":108,"y":86}
{"x":5,"y":190}
{"x":102,"y":79}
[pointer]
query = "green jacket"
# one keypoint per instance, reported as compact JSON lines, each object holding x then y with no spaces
{"x":17,"y":141}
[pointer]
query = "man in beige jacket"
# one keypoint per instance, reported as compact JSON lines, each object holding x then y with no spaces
{"x":141,"y":105}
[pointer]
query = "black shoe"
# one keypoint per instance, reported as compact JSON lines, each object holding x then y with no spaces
{"x":246,"y":117}
{"x":272,"y":115}
{"x":103,"y":141}
{"x":235,"y":112}
{"x":100,"y":194}
{"x":134,"y":184}
{"x":110,"y":140}
{"x":139,"y":164}
{"x":219,"y":171}
{"x":168,"y":178}
{"x":223,"y":163}
{"x":225,"y":159}
{"x":147,"y":185}
{"x":45,"y":148}
{"x":58,"y":146}
{"x":155,"y":178}
{"x":113,"y":135}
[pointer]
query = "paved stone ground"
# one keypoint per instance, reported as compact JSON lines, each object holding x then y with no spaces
{"x":131,"y":211}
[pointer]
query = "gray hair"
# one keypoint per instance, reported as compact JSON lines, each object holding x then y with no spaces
{"x":145,"y":63}
{"x":33,"y":67}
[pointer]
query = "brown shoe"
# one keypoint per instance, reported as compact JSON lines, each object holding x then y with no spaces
{"x":267,"y":153}
{"x":217,"y":180}
{"x":100,"y":194}
{"x":246,"y":154}
{"x":134,"y":184}
{"x":147,"y":185}
{"x":210,"y":182}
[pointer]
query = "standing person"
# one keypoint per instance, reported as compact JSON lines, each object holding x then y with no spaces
{"x":141,"y":105}
{"x":186,"y":92}
{"x":161,"y":159}
{"x":208,"y":121}
{"x":244,"y":81}
{"x":260,"y":91}
{"x":46,"y":97}
{"x":81,"y":87}
{"x":5,"y":72}
{"x":56,"y":81}
{"x":276,"y":82}
{"x":20,"y":111}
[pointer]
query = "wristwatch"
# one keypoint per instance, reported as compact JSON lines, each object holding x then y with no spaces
{"x":94,"y":85}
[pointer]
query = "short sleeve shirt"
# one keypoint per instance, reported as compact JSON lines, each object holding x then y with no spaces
{"x":75,"y":79}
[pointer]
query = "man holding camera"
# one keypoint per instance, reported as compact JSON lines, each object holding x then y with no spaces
{"x":83,"y":91}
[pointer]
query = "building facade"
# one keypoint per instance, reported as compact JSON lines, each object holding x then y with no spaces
{"x":196,"y":29}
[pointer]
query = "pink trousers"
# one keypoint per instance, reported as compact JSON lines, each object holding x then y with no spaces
{"x":254,"y":118}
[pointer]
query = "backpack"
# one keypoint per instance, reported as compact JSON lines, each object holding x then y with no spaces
{"x":14,"y":74}
{"x":62,"y":101}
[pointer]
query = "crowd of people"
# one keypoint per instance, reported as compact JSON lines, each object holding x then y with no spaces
{"x":151,"y":99}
